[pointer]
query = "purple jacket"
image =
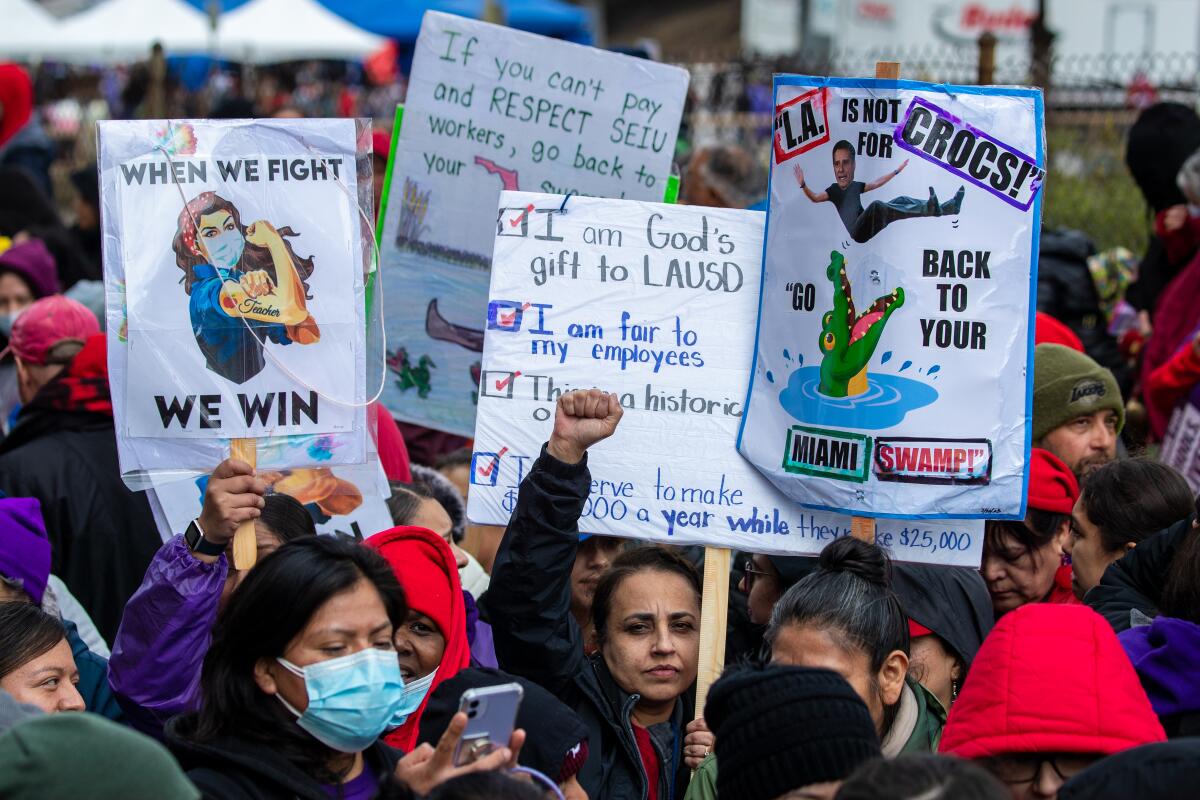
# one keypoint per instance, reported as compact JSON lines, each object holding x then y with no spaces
{"x":1166,"y":655}
{"x":164,"y":635}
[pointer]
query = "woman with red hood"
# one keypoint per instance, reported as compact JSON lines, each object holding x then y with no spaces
{"x":431,"y":643}
{"x":1049,"y":693}
{"x":1023,"y":559}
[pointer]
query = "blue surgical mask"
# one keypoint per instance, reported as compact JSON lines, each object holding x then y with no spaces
{"x":6,"y":322}
{"x":414,"y":695}
{"x":351,"y":700}
{"x":225,"y":249}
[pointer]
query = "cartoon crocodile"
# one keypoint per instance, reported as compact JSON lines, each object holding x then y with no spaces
{"x":847,"y":339}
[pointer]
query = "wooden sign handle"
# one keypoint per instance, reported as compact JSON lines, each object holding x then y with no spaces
{"x":864,"y":527}
{"x":245,"y":547}
{"x":714,"y":611}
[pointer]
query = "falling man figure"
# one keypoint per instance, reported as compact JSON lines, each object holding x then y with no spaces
{"x":846,"y":193}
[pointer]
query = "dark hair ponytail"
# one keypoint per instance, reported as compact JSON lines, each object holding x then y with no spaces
{"x":850,"y":591}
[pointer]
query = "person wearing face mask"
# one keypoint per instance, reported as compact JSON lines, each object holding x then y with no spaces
{"x":635,"y":692}
{"x":235,"y":275}
{"x":431,"y":641}
{"x":301,"y":680}
{"x":165,"y":631}
{"x":27,"y":273}
{"x":415,"y":504}
{"x":454,"y":503}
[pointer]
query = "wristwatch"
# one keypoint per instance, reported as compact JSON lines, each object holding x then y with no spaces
{"x":194,"y":537}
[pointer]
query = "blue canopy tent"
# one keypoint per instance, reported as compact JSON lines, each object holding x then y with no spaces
{"x":401,"y":19}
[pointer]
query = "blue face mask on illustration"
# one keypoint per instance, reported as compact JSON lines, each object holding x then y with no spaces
{"x":225,"y":249}
{"x":351,"y":700}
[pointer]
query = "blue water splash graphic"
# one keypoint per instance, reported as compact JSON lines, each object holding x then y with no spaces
{"x":800,"y":359}
{"x":770,"y":377}
{"x":886,"y":357}
{"x":905,"y":365}
{"x":787,"y":355}
{"x":934,"y":369}
{"x":886,"y":402}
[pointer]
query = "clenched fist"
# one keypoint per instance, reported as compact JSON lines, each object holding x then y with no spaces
{"x":582,"y":419}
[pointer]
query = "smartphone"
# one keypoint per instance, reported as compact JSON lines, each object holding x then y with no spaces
{"x":491,"y":717}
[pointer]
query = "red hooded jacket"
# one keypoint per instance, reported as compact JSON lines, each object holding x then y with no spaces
{"x":428,"y":572}
{"x":1050,"y":679}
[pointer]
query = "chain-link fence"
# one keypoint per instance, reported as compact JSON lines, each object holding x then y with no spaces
{"x":1090,"y":105}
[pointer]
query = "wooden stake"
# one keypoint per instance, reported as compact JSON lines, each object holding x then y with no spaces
{"x":245,"y":547}
{"x":714,"y":610}
{"x":864,"y":527}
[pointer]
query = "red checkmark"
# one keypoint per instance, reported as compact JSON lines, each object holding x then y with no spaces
{"x":487,"y":471}
{"x":517,"y":220}
{"x":508,"y":318}
{"x":501,"y":384}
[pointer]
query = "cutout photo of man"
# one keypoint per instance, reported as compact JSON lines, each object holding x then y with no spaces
{"x":846,"y":194}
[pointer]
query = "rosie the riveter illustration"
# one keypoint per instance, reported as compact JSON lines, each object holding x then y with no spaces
{"x":846,"y":194}
{"x":245,"y":284}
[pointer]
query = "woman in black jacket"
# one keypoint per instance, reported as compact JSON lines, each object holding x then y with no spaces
{"x":635,"y":694}
{"x":300,"y":681}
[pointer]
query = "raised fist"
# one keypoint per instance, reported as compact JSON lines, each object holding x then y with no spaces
{"x":582,"y":419}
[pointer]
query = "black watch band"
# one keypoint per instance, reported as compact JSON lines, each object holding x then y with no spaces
{"x":196,"y":542}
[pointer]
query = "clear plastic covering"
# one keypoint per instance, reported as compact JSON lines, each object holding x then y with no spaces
{"x":239,"y":264}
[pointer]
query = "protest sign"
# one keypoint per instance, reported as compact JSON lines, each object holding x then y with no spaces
{"x":895,"y":328}
{"x":1181,"y":444}
{"x":234,"y":271}
{"x":345,"y":501}
{"x":491,"y":108}
{"x":655,"y":303}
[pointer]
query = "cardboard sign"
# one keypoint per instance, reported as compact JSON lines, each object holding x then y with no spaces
{"x":234,"y":272}
{"x":1181,"y":444}
{"x":895,"y":328}
{"x":491,"y":108}
{"x":343,"y":501}
{"x":655,"y":303}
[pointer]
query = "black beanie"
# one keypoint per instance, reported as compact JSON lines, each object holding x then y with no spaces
{"x":1162,"y":771}
{"x":553,"y":731}
{"x":782,"y":728}
{"x":1160,"y":140}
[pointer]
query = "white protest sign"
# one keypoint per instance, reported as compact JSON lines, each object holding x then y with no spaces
{"x":347,"y":501}
{"x":234,"y":271}
{"x":895,"y":330}
{"x":655,"y":303}
{"x":1181,"y":444}
{"x":491,"y":108}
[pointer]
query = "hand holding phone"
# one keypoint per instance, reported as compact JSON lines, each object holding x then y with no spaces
{"x":491,"y":717}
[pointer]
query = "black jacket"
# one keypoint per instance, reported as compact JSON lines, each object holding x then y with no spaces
{"x":1135,"y":581}
{"x":529,"y":600}
{"x":102,"y":535}
{"x":238,"y":769}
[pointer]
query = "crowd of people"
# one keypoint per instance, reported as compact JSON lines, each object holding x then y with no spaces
{"x":132,"y":667}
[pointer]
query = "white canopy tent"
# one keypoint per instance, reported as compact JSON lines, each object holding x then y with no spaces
{"x":124,"y":30}
{"x":266,"y":31}
{"x":30,"y":29}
